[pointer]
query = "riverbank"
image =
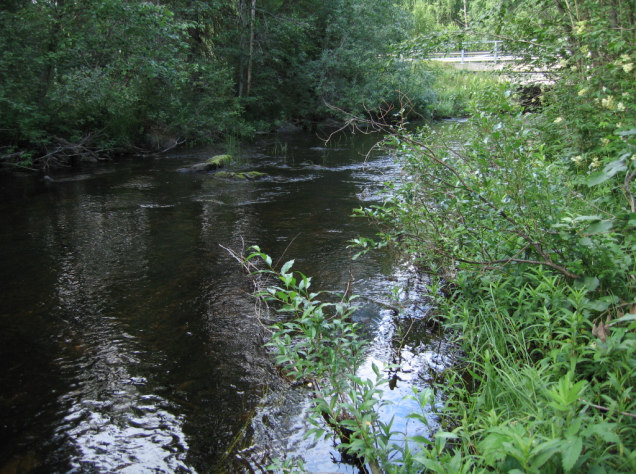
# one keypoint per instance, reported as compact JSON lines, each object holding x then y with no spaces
{"x":535,"y":281}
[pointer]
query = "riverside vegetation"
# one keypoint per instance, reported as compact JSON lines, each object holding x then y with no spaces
{"x":88,"y":80}
{"x":528,"y":223}
{"x":529,"y":226}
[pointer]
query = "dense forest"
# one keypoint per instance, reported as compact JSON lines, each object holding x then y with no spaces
{"x":85,"y":80}
{"x":82,"y":79}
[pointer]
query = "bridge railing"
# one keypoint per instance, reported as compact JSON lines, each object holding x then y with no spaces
{"x":483,"y":51}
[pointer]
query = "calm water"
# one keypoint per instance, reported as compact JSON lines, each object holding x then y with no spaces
{"x":128,"y":336}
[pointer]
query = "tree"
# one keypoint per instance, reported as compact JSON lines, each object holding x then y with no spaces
{"x":115,"y":71}
{"x":115,"y":74}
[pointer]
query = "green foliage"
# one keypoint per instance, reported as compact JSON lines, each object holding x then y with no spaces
{"x":348,"y":73}
{"x":317,"y":343}
{"x":327,"y":55}
{"x":529,"y":222}
{"x":436,"y":15}
{"x":539,"y":376}
{"x":101,"y":77}
{"x":540,"y":272}
{"x":115,"y":71}
{"x":455,"y":91}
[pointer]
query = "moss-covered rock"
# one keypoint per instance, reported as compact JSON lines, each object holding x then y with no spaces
{"x":219,"y":161}
{"x":254,"y":174}
{"x":225,"y":174}
{"x":214,"y":163}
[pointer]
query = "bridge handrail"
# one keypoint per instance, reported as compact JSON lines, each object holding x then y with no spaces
{"x":496,"y":51}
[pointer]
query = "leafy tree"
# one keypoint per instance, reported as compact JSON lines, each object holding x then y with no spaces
{"x":83,"y":79}
{"x":111,"y":70}
{"x":312,"y":53}
{"x":348,"y":73}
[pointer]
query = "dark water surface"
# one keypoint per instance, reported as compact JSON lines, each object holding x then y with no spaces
{"x":127,"y":337}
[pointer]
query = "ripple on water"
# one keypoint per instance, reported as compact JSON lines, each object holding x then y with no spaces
{"x":155,"y":206}
{"x":136,"y":433}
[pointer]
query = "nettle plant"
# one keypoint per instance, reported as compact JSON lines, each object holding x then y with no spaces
{"x":546,"y":394}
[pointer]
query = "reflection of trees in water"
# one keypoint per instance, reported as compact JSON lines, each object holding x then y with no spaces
{"x":149,"y":322}
{"x":110,"y":421}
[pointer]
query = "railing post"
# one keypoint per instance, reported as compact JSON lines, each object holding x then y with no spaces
{"x":496,"y":50}
{"x":462,"y":55}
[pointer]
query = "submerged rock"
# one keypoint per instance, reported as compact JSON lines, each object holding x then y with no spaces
{"x":247,"y":175}
{"x":214,"y":163}
{"x":289,"y":128}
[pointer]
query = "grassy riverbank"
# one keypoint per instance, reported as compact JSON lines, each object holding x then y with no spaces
{"x":529,"y":221}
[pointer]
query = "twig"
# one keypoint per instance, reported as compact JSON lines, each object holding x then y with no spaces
{"x":628,"y":191}
{"x":602,"y":408}
{"x":287,"y":248}
{"x":177,"y":142}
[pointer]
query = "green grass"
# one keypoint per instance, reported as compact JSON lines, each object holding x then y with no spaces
{"x":455,"y":89}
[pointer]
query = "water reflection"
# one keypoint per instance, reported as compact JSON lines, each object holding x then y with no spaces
{"x":128,"y":335}
{"x":405,"y":341}
{"x":123,"y":431}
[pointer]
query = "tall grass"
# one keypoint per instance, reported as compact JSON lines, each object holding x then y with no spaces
{"x":456,"y":89}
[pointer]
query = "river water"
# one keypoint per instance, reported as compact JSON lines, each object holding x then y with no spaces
{"x":128,"y":336}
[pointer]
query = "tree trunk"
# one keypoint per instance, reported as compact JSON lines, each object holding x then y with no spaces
{"x":465,"y":15}
{"x":242,"y":27}
{"x":251,"y":51}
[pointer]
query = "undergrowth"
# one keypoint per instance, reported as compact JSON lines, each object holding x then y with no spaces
{"x":456,"y":89}
{"x":529,"y":223}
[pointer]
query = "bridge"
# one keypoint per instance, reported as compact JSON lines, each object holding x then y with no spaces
{"x":491,"y":56}
{"x":488,"y":56}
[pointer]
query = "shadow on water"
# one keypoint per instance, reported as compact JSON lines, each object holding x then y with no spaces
{"x":129,"y":341}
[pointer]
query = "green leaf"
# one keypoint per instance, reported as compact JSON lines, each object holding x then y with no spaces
{"x":430,"y":464}
{"x":545,"y":451}
{"x":287,"y":266}
{"x":599,"y":227}
{"x":605,"y":431}
{"x":445,"y":435}
{"x":598,"y":305}
{"x":570,"y":452}
{"x":622,"y":319}
{"x":597,"y":178}
{"x":375,"y":369}
{"x":420,"y":439}
{"x":615,"y":167}
{"x":589,"y":283}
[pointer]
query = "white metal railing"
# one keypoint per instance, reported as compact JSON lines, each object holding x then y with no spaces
{"x":493,"y":54}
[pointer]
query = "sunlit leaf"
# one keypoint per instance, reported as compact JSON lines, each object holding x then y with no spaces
{"x":287,"y":266}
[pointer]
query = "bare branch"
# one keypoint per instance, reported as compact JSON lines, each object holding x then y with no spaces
{"x":602,"y":408}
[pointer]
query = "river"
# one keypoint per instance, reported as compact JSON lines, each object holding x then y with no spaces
{"x":129,"y":341}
